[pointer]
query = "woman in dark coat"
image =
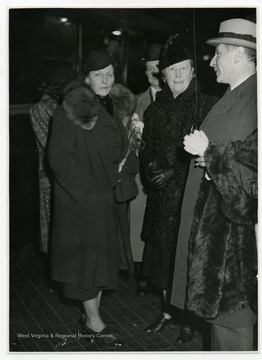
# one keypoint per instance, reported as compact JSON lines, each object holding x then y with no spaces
{"x":90,"y":233}
{"x":179,"y":108}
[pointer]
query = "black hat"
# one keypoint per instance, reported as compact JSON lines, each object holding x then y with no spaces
{"x":174,"y":52}
{"x":153,"y":54}
{"x":97,"y":60}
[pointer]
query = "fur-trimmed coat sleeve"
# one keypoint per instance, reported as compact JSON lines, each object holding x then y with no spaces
{"x":233,"y":169}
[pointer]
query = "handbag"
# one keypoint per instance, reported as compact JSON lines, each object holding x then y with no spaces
{"x":126,"y":186}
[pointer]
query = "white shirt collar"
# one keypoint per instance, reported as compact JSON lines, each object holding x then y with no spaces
{"x":153,"y":92}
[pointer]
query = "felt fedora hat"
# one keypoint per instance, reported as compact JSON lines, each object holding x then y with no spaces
{"x":238,"y":32}
{"x":153,"y":54}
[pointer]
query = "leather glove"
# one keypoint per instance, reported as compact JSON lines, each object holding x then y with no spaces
{"x":196,"y":143}
{"x":160,"y":179}
{"x":152,"y":169}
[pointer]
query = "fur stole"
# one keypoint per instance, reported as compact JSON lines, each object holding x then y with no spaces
{"x":222,"y":253}
{"x":82,"y":105}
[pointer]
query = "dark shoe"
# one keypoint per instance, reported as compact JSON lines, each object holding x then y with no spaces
{"x":160,"y":323}
{"x":107,"y":338}
{"x":142,"y":290}
{"x":186,"y":334}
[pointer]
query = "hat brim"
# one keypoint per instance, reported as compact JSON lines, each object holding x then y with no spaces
{"x":231,"y":41}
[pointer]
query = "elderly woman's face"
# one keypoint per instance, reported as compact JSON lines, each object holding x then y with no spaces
{"x":101,"y":81}
{"x":178,"y":76}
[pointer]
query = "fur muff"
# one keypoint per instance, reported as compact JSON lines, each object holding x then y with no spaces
{"x":81,"y":104}
{"x":223,"y":254}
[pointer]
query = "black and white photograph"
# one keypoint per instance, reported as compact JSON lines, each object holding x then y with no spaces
{"x":132,"y":181}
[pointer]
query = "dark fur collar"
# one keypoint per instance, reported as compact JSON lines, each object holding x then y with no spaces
{"x":81,"y":104}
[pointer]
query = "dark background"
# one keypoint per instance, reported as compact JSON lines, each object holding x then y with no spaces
{"x":40,"y":45}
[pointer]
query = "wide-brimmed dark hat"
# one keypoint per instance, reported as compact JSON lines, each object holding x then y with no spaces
{"x":174,"y":52}
{"x":238,"y":32}
{"x":97,"y":60}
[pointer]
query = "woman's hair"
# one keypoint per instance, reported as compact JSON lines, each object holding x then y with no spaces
{"x":192,"y":63}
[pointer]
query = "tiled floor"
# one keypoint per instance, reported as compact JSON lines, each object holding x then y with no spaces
{"x":42,"y":321}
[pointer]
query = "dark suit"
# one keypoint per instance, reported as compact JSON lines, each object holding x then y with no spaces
{"x":143,"y":101}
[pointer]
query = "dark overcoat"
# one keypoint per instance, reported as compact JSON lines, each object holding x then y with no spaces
{"x":232,"y":118}
{"x":167,"y":121}
{"x":90,"y":237}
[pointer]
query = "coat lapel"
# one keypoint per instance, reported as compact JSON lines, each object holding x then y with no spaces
{"x":123,"y":135}
{"x":99,"y":134}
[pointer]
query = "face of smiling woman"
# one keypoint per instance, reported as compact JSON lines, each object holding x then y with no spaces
{"x":178,"y":76}
{"x":101,"y":81}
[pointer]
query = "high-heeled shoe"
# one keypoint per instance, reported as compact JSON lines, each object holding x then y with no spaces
{"x":160,"y":323}
{"x":186,"y":334}
{"x":107,"y":338}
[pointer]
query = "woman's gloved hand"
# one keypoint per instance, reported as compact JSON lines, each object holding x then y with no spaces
{"x":161,"y":178}
{"x":152,"y":169}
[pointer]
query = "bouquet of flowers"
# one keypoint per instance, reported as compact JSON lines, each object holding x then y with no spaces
{"x":135,"y":131}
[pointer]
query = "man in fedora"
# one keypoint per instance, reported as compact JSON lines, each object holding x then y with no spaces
{"x":152,"y":72}
{"x":216,"y":258}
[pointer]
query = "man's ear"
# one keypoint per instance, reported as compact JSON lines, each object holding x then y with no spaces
{"x":239,"y":54}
